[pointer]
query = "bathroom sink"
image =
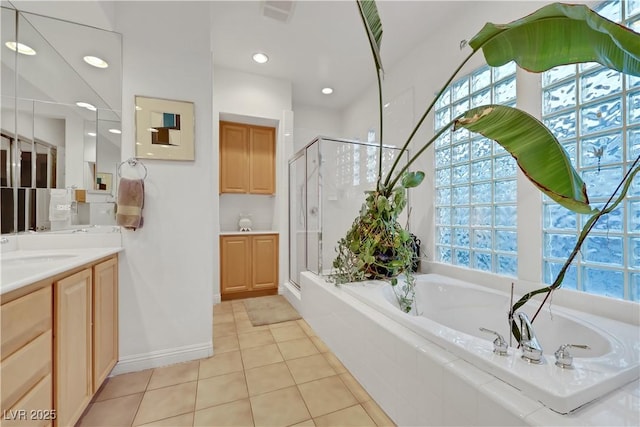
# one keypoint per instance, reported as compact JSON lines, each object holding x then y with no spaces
{"x":34,"y":259}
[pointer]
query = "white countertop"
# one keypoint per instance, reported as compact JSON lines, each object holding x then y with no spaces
{"x":227,"y":233}
{"x":15,"y":274}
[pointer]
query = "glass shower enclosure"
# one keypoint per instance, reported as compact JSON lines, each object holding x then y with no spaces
{"x":327,"y":181}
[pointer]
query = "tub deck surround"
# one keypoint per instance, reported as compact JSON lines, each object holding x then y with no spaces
{"x":418,"y":382}
{"x":452,"y":312}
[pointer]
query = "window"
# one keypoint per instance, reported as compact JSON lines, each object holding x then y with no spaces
{"x":595,"y":114}
{"x":475,"y":179}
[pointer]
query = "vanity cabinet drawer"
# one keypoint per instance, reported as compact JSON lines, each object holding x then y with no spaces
{"x":24,"y":319}
{"x":34,"y":409}
{"x":25,"y":368}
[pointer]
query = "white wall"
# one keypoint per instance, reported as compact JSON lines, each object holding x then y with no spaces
{"x":166,"y":269}
{"x":250,"y":98}
{"x":315,"y":121}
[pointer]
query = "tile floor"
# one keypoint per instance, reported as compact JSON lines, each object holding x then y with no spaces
{"x":273,"y":375}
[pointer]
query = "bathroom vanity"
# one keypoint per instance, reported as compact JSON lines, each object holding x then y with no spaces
{"x":59,"y":332}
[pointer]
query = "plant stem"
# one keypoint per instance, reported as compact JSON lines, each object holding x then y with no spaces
{"x":424,"y":116}
{"x":380,"y":108}
{"x":607,"y":208}
{"x":415,"y":156}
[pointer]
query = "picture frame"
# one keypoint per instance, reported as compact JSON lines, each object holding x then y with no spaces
{"x":104,"y":181}
{"x":164,"y":129}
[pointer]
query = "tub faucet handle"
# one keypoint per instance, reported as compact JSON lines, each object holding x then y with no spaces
{"x":500,"y":346}
{"x":564,"y":359}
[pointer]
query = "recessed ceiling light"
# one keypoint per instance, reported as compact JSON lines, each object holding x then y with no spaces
{"x":20,"y":48}
{"x":138,"y":108}
{"x":260,"y":57}
{"x":86,"y":105}
{"x":116,"y":131}
{"x":91,"y":133}
{"x":95,"y":61}
{"x":327,"y":90}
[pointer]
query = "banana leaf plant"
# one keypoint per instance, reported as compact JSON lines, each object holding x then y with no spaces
{"x":556,"y":34}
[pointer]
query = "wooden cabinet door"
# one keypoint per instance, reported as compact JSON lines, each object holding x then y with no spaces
{"x":72,"y":347}
{"x":235,"y":264}
{"x":264,"y":261}
{"x":234,"y":154}
{"x":262,"y":160}
{"x":105,"y":320}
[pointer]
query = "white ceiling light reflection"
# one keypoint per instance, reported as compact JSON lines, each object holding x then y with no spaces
{"x":327,"y":90}
{"x":95,"y":61}
{"x":20,"y":48}
{"x":260,"y":57}
{"x":91,"y":133}
{"x":86,"y":105}
{"x":116,"y":131}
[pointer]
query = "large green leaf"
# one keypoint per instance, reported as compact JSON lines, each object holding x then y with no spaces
{"x":537,"y":151}
{"x":559,"y":34}
{"x":373,"y":25}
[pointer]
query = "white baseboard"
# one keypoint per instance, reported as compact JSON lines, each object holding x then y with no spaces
{"x":155,"y":359}
{"x":217,"y":299}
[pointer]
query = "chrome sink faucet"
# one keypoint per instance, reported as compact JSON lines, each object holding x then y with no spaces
{"x":531,"y":348}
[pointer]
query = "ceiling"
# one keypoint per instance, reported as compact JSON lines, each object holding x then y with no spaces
{"x":322,"y":43}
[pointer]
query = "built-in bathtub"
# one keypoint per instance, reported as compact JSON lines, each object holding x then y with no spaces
{"x":450,"y":313}
{"x":419,"y":379}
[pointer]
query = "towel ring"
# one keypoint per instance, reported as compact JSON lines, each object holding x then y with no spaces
{"x":133,"y":163}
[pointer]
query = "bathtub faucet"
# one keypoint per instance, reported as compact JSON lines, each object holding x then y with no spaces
{"x":531,"y":348}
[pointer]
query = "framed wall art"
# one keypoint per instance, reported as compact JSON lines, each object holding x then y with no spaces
{"x":164,"y":129}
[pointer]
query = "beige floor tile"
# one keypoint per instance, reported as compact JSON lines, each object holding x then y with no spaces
{"x":283,"y":324}
{"x":279,"y":408}
{"x":224,"y":317}
{"x":335,"y":363}
{"x":224,"y":344}
{"x":236,"y":413}
{"x":377,"y":414}
{"x":268,"y":378}
{"x":354,"y":416}
{"x":309,"y":368}
{"x":306,"y":328}
{"x":123,"y":385}
{"x":238,"y":305}
{"x":223,"y":307}
{"x":224,"y":329}
{"x":255,"y":339}
{"x":259,"y":356}
{"x":219,"y":364}
{"x":174,"y":374}
{"x":240,"y":316}
{"x":307,"y":423}
{"x":184,"y":420}
{"x":245,"y":326}
{"x":326,"y":395}
{"x":354,"y":387}
{"x":286,"y":333}
{"x":221,"y":389}
{"x":320,"y":345}
{"x":166,"y":402}
{"x":119,"y":411}
{"x":294,"y":349}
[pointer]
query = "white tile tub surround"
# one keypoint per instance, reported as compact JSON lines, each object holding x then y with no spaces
{"x":419,"y":383}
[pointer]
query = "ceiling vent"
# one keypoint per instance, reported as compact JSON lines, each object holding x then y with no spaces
{"x":280,"y":10}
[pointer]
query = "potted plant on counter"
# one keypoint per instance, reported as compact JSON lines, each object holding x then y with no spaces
{"x":377,"y":246}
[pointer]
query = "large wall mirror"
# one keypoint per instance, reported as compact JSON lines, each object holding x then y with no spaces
{"x":60,"y":121}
